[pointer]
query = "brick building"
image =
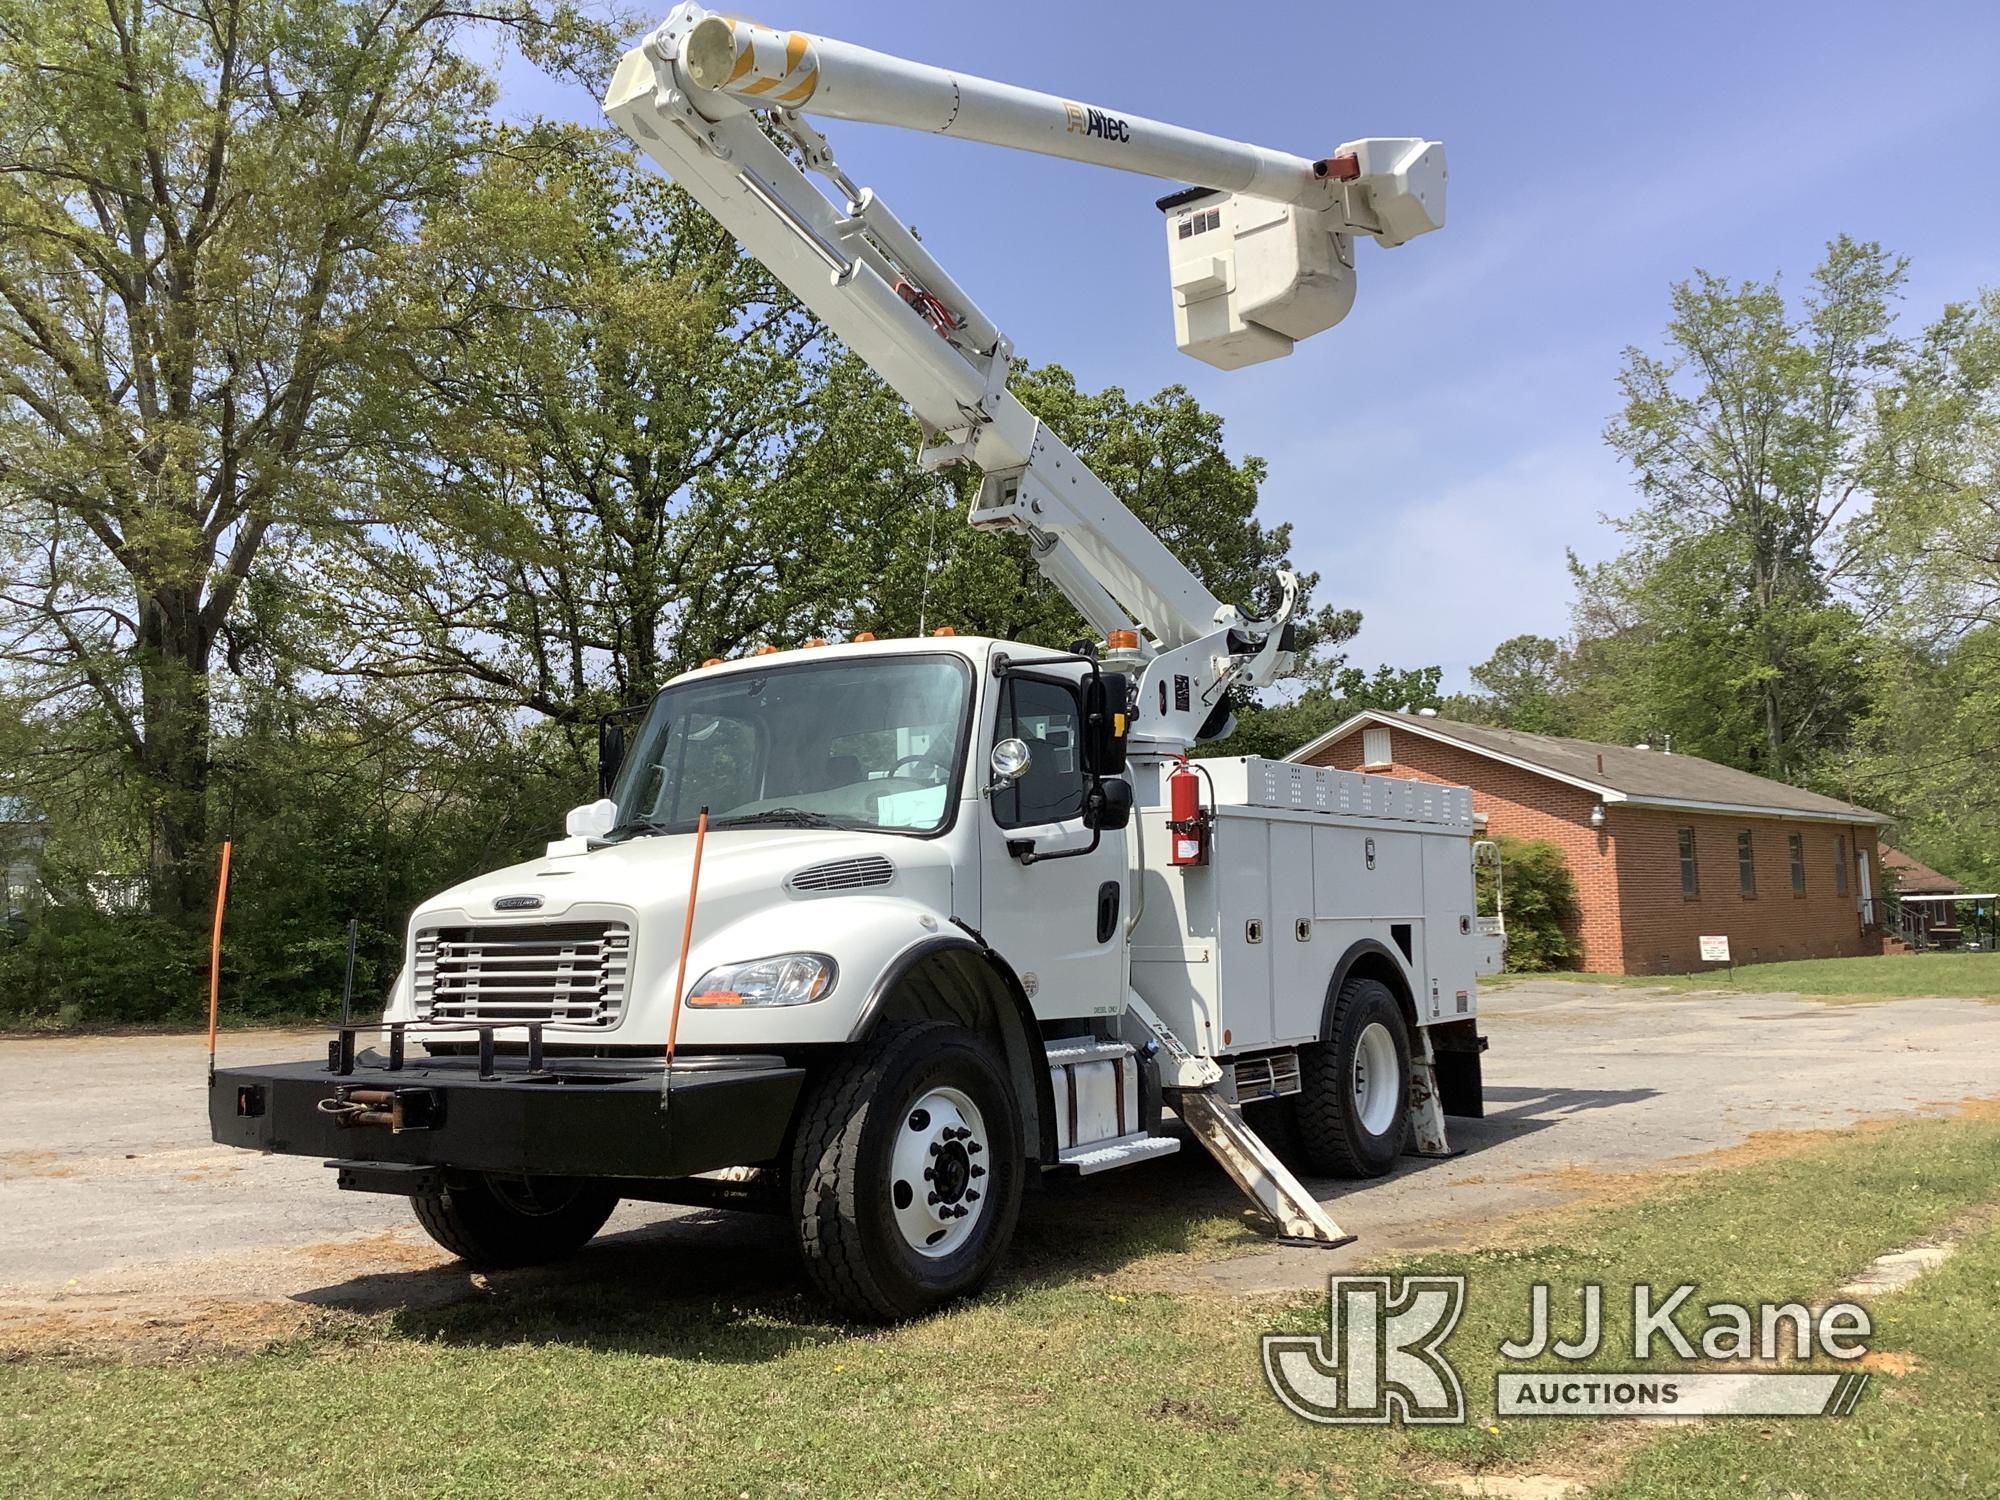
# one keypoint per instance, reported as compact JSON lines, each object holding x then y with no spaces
{"x":1665,"y":848}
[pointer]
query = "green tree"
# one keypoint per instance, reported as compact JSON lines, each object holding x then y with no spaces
{"x":1538,"y":904}
{"x":1750,"y":441}
{"x":635,"y":451}
{"x":1334,"y":692}
{"x":1526,"y":682}
{"x":204,"y":214}
{"x":1932,"y":543}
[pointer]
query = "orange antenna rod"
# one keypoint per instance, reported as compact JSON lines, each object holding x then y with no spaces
{"x":687,"y":935}
{"x":215,"y":956}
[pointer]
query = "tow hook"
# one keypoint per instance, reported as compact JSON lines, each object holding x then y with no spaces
{"x":399,"y":1109}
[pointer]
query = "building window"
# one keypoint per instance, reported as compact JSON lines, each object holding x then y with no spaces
{"x":1690,"y":875}
{"x":1746,"y":864}
{"x":1375,"y":746}
{"x":1797,"y":843}
{"x":1840,"y":864}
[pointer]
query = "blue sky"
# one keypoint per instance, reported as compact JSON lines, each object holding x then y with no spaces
{"x":1438,"y":451}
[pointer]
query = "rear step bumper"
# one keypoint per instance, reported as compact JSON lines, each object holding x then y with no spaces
{"x":598,"y":1119}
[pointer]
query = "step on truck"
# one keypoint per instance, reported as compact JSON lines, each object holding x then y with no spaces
{"x":870,"y":932}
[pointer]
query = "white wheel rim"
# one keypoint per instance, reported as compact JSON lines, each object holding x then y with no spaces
{"x":1375,"y":1079}
{"x":938,"y":1172}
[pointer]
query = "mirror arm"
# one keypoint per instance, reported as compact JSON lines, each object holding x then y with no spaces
{"x":1024,"y":849}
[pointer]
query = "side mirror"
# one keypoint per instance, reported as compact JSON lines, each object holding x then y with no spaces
{"x":1108,"y":805}
{"x":610,"y":753}
{"x":592,"y":820}
{"x":1107,"y":715}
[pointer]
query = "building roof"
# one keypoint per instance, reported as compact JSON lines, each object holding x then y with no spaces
{"x":1617,"y":773}
{"x":1914,"y":877}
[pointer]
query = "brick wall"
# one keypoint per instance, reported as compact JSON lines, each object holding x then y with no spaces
{"x":1661,"y":924}
{"x":1633,"y":917}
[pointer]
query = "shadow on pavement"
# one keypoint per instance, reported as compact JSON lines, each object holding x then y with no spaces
{"x":724,"y":1285}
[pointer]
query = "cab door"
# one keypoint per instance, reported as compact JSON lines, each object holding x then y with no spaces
{"x":1058,"y":914}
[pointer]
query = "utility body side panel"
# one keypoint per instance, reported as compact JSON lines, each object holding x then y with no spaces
{"x":1306,"y":863}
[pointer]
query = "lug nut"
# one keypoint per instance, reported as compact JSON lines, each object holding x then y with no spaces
{"x":972,"y":1195}
{"x":977,"y":1171}
{"x":928,"y":1174}
{"x":935,"y":1148}
{"x":932,"y":1199}
{"x":973,"y":1149}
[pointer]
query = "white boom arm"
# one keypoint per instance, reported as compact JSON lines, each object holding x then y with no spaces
{"x":697,"y":97}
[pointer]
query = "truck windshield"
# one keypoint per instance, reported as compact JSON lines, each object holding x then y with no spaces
{"x":857,"y":743}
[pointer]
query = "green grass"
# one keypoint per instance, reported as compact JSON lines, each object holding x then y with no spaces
{"x":1921,"y":1432}
{"x":1967,"y":976}
{"x":665,"y":1370}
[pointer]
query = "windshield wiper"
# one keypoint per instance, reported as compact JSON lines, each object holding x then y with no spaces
{"x":793,"y":817}
{"x":636,"y":828}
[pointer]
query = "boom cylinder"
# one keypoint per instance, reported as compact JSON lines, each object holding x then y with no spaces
{"x":771,"y":69}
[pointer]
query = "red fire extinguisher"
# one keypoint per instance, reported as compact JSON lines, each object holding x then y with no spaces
{"x":1188,"y":820}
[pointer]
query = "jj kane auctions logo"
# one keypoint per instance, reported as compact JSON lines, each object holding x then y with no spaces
{"x":1382,"y":1357}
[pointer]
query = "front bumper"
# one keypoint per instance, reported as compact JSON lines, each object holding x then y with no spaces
{"x":571,"y":1118}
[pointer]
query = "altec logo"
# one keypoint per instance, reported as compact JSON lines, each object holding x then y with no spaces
{"x":1083,"y":120}
{"x":1380,"y":1360}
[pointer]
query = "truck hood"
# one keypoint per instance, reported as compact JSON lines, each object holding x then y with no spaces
{"x":651,"y":875}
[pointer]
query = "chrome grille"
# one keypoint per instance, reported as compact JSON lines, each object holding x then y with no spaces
{"x":844,"y":874}
{"x":569,"y":973}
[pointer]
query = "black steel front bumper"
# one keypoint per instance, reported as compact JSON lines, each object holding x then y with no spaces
{"x":584,"y":1117}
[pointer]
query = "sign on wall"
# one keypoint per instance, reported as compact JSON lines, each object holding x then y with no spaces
{"x":1715,"y":950}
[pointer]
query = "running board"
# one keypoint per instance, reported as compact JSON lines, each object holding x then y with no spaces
{"x":1102,"y":1156}
{"x":1282,"y":1199}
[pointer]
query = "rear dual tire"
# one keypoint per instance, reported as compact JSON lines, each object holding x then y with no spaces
{"x":1350,"y":1117}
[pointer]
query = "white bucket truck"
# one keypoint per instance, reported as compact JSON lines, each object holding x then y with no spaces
{"x":872,"y":931}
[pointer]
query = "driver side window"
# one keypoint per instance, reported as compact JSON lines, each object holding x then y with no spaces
{"x":1048,"y":717}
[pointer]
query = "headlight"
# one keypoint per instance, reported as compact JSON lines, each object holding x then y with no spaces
{"x":787,"y":979}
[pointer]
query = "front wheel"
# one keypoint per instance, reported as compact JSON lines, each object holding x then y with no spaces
{"x":514,"y":1221}
{"x":1350,"y":1115}
{"x":907,"y":1171}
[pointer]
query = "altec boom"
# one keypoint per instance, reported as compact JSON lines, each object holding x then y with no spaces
{"x":865,"y":933}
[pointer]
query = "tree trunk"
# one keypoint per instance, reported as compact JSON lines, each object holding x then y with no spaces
{"x":174,"y":754}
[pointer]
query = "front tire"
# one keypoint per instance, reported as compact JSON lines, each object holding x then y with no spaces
{"x":1351,"y":1115}
{"x":907,"y":1171}
{"x":514,"y":1221}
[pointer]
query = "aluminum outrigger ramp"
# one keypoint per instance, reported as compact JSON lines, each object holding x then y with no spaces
{"x":1293,"y":1213}
{"x":1266,"y":1181}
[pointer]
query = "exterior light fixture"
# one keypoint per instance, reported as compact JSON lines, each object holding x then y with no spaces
{"x":1597,"y":816}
